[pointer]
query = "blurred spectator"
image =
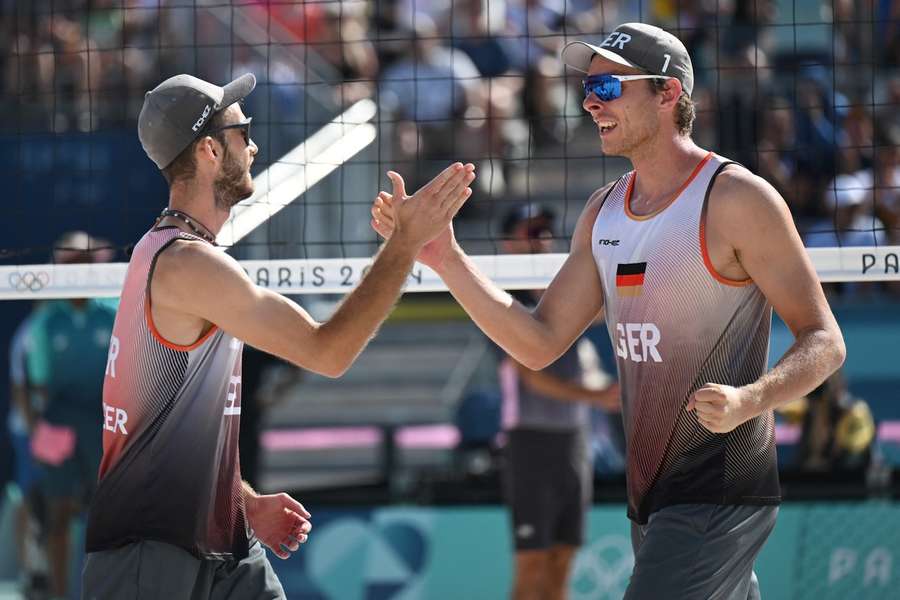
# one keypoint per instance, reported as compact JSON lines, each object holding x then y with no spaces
{"x":343,"y":41}
{"x":887,"y":116}
{"x":22,"y":419}
{"x":430,"y":91}
{"x":852,"y":223}
{"x":535,"y":30}
{"x":546,"y":416}
{"x":507,"y":134}
{"x":883,"y":182}
{"x":838,"y":430}
{"x":67,"y":356}
{"x":743,"y":74}
{"x":888,"y":32}
{"x":777,"y":145}
{"x":818,"y":123}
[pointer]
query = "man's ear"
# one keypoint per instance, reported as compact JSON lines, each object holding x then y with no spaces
{"x":671,"y":92}
{"x":206,"y":149}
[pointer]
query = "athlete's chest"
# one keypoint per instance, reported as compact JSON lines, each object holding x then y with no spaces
{"x":634,"y":255}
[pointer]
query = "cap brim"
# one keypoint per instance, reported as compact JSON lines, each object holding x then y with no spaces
{"x":578,"y":55}
{"x":237,"y":90}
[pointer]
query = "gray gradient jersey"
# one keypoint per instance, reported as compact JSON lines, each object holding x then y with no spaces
{"x":170,"y":468}
{"x":676,"y":325}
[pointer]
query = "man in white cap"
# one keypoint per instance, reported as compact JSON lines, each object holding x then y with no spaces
{"x":687,"y":254}
{"x":171,"y":517}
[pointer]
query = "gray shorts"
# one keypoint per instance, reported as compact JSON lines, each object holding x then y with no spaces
{"x":699,"y":551}
{"x":149,"y":570}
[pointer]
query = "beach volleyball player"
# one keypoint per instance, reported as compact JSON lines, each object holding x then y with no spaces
{"x":688,"y":253}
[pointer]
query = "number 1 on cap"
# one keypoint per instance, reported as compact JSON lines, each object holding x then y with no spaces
{"x":666,"y":64}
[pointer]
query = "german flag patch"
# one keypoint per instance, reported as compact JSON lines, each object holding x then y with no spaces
{"x":630,"y":278}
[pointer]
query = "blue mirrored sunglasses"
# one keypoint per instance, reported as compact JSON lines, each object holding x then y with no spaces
{"x":609,"y":87}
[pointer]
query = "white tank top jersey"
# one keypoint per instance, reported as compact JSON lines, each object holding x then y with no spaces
{"x":675,"y":325}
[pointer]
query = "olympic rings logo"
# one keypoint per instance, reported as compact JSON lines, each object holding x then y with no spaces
{"x":29,"y":281}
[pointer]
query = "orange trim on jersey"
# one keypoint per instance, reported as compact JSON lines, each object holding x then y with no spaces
{"x":675,"y":196}
{"x":148,"y":314}
{"x":704,"y":252}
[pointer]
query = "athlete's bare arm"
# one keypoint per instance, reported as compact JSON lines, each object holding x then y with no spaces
{"x":194,"y":285}
{"x":750,"y":233}
{"x":534,"y":338}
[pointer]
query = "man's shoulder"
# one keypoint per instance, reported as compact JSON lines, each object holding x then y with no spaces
{"x":738,"y":192}
{"x":189,"y":267}
{"x":185,"y":254}
{"x":735,"y":178}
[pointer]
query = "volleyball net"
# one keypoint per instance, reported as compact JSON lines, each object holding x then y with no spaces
{"x":803,"y":93}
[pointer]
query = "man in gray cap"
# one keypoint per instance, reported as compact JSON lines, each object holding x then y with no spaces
{"x":171,"y":517}
{"x":687,"y":254}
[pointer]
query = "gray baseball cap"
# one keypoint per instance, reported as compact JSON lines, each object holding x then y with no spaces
{"x":176,"y":110}
{"x":637,"y":45}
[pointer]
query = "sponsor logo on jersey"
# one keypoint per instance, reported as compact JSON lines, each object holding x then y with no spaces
{"x":630,"y":278}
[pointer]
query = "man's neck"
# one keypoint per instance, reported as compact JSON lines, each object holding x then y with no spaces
{"x":198,"y":202}
{"x":662,"y":167}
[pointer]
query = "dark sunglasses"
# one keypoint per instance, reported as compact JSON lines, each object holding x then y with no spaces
{"x":609,"y":87}
{"x":244,"y":126}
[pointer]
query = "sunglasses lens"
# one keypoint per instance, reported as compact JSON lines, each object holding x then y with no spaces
{"x":606,"y":88}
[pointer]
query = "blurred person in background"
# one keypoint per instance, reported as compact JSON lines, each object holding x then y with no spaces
{"x":838,"y":429}
{"x":546,"y":415}
{"x":431,"y":91}
{"x":503,"y":86}
{"x":882,"y":182}
{"x":744,"y":57}
{"x":68,"y":344}
{"x":777,"y":145}
{"x":23,"y":417}
{"x":850,"y":220}
{"x":343,"y":41}
{"x":535,"y":34}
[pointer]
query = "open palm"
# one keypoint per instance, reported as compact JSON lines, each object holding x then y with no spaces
{"x":432,"y":253}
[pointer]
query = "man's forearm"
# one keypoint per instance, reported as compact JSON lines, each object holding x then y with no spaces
{"x":363,"y":310}
{"x":813,"y":357}
{"x":497,"y":314}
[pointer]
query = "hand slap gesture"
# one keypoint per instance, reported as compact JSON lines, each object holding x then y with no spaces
{"x":279,"y":522}
{"x":427,"y":215}
{"x":721,"y":408}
